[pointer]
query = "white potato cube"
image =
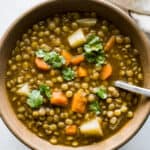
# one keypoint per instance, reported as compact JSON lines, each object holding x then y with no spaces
{"x":77,"y":38}
{"x":92,"y":128}
{"x":87,"y":22}
{"x":24,"y":89}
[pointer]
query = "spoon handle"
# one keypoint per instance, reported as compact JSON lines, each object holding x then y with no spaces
{"x":132,"y":88}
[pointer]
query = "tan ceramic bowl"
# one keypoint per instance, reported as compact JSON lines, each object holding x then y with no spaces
{"x":107,"y":11}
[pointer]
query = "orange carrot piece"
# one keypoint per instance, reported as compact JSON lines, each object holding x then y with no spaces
{"x":77,"y":59}
{"x":71,"y":129}
{"x":106,"y":72}
{"x":59,"y":99}
{"x":41,"y":64}
{"x":110,"y":43}
{"x":79,"y":102}
{"x":82,"y":72}
{"x":67,"y":56}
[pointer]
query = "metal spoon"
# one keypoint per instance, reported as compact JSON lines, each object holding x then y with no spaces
{"x":132,"y":88}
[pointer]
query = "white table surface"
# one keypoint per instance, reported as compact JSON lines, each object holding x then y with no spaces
{"x":9,"y":10}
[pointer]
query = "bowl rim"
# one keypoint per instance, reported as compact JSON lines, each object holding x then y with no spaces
{"x":41,"y":4}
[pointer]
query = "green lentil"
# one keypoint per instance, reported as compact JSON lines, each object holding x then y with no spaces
{"x":53,"y":140}
{"x":69,"y":94}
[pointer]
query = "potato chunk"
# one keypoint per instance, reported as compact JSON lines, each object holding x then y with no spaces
{"x":24,"y":89}
{"x":87,"y":22}
{"x":92,"y":128}
{"x":77,"y":38}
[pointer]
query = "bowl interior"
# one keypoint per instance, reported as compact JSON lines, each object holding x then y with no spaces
{"x":103,"y":9}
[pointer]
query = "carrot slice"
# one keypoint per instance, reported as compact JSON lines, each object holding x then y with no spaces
{"x":71,"y":129}
{"x":41,"y":64}
{"x":77,"y":59}
{"x":82,"y":72}
{"x":59,"y":99}
{"x":110,"y":43}
{"x":67,"y":56}
{"x":79,"y":102}
{"x":106,"y":72}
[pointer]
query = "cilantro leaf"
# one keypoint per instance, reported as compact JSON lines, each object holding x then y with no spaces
{"x":40,"y":53}
{"x":68,"y":74}
{"x":94,"y":50}
{"x":35,"y":99}
{"x":44,"y":89}
{"x":90,"y":57}
{"x":51,"y":58}
{"x":91,"y":39}
{"x":101,"y":93}
{"x":93,"y":44}
{"x":56,"y":60}
{"x":100,"y":60}
{"x":47,"y":57}
{"x":95,"y":107}
{"x":94,"y":47}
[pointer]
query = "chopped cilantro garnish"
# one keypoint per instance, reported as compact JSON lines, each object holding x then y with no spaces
{"x":68,"y":74}
{"x":55,"y":59}
{"x":101,"y":93}
{"x":35,"y":99}
{"x":94,"y":50}
{"x":40,"y":53}
{"x":51,"y":58}
{"x":93,"y":44}
{"x":44,"y":89}
{"x":95,"y":107}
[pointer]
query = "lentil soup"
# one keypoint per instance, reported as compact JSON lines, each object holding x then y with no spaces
{"x":60,"y":79}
